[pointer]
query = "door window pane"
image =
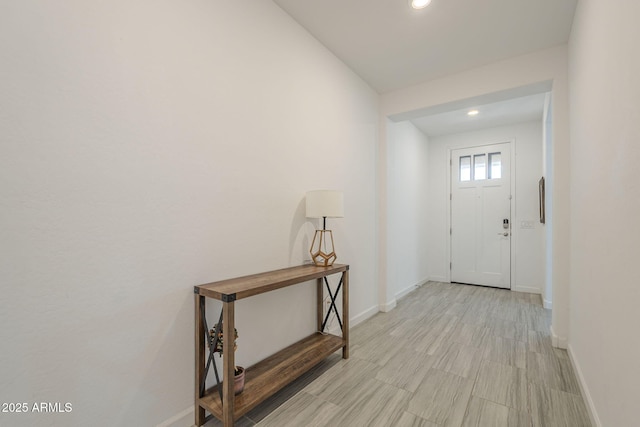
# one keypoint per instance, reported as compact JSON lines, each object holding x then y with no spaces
{"x":495,"y":166}
{"x":465,"y":168}
{"x":479,"y":167}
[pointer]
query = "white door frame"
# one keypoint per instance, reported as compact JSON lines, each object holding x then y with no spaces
{"x":514,"y":234}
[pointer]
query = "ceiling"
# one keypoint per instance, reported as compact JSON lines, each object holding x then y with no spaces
{"x":392,"y":46}
{"x":515,"y":110}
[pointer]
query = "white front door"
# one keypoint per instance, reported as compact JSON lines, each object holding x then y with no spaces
{"x":481,"y":215}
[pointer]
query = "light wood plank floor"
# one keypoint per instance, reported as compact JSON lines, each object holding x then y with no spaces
{"x":448,"y":355}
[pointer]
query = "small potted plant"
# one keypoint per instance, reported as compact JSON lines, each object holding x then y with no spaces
{"x":238,"y":370}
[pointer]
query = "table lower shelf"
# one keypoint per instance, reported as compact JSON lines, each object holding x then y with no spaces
{"x":273,"y":373}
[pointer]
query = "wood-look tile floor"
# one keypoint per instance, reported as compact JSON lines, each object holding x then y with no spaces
{"x":447,"y":355}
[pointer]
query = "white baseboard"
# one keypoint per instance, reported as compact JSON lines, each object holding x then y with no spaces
{"x":363,"y":316}
{"x":184,"y":418}
{"x":385,"y":308}
{"x":334,"y":327}
{"x":591,"y":409}
{"x":406,"y":291}
{"x":438,"y":279}
{"x":527,"y":289}
{"x":557,"y":341}
{"x":547,"y":304}
{"x":410,"y":289}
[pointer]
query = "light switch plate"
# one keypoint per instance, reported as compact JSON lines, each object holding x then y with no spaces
{"x":528,"y":224}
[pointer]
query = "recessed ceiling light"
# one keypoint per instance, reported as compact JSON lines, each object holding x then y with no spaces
{"x":419,"y":4}
{"x":472,"y":113}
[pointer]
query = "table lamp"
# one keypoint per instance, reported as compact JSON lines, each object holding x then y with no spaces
{"x":324,"y":204}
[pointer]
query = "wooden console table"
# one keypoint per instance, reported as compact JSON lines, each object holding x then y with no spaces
{"x":273,"y":373}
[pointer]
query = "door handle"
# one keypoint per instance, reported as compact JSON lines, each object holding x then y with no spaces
{"x":505,"y":234}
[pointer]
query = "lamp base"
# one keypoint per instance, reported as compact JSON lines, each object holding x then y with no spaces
{"x":320,"y":254}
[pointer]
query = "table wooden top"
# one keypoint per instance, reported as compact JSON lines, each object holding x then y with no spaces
{"x":243,"y":287}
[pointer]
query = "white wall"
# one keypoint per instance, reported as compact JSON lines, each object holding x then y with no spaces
{"x":147,"y":147}
{"x":407,"y":209}
{"x":547,"y":172}
{"x":528,"y":244}
{"x":496,"y":79}
{"x":605,"y":201}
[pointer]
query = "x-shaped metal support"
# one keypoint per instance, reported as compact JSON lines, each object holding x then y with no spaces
{"x":332,"y":307}
{"x":213,"y":343}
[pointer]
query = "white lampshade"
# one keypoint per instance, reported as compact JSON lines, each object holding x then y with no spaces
{"x":325,"y":203}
